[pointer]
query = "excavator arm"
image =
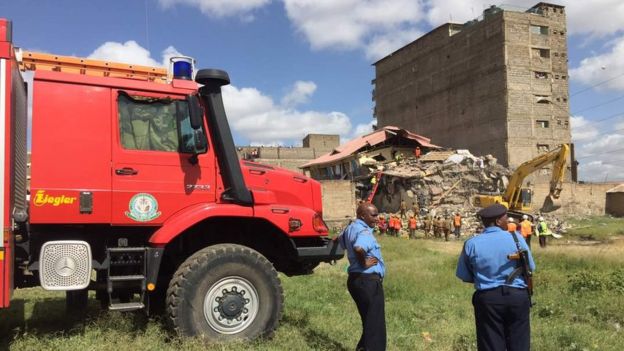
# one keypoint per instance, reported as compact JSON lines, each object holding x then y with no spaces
{"x":559,"y":157}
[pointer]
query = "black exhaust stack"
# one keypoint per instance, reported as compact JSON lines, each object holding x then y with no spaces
{"x":235,"y":189}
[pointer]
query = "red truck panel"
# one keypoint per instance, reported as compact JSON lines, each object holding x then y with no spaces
{"x":71,"y":152}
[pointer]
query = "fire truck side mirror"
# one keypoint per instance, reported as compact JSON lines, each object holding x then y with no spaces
{"x":195,"y":111}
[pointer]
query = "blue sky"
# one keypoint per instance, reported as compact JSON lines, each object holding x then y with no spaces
{"x":301,"y":66}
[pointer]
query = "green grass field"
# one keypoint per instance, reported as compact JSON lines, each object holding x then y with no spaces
{"x":579,"y":306}
{"x":599,"y":228}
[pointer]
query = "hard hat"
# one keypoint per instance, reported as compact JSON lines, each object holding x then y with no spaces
{"x":541,"y":218}
{"x":525,"y":217}
{"x":510,"y":220}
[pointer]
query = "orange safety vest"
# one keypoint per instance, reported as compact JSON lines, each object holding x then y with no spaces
{"x":525,"y":228}
{"x":511,"y":227}
{"x":397,"y":223}
{"x":457,"y":222}
{"x":412,"y":223}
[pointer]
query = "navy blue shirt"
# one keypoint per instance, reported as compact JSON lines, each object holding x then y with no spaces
{"x":359,"y":234}
{"x":484,"y":260}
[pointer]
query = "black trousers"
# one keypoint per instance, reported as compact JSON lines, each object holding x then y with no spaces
{"x":367,"y":292}
{"x":502,"y":316}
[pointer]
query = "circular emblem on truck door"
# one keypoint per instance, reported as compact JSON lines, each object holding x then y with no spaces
{"x":143,"y":208}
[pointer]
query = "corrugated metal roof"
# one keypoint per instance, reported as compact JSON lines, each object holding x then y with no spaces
{"x":377,"y":137}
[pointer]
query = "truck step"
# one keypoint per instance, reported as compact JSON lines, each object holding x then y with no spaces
{"x":125,"y":249}
{"x":126,"y":306}
{"x":125,"y":278}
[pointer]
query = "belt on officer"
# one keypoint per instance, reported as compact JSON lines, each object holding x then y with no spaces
{"x":504,"y":288}
{"x":366,"y":276}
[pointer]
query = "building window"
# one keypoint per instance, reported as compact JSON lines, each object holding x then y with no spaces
{"x":556,"y":76}
{"x":543,"y":53}
{"x":542,"y":99}
{"x":541,"y":75}
{"x":542,"y":148}
{"x":542,"y":124}
{"x":543,"y":30}
{"x":563,"y":77}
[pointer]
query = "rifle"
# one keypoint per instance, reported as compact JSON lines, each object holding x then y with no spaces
{"x":523,"y":268}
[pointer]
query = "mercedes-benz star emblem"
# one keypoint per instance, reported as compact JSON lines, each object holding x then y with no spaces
{"x":65,"y":266}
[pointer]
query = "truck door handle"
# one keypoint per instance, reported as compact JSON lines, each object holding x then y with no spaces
{"x":126,"y":171}
{"x":256,"y":172}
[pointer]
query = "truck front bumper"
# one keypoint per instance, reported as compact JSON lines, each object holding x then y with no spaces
{"x":329,"y":251}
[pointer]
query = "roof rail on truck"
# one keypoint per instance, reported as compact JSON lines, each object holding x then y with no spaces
{"x":36,"y":61}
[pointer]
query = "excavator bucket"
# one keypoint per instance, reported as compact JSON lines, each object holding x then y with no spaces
{"x":550,"y":204}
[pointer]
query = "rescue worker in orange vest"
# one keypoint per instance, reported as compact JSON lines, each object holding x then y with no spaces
{"x":391,"y":225}
{"x":457,"y":223}
{"x":511,"y":225}
{"x":382,"y":225}
{"x":413,"y":223}
{"x":526,"y":229}
{"x":397,"y":226}
{"x":417,"y":152}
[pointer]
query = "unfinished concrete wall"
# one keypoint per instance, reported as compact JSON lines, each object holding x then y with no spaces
{"x":448,"y":88}
{"x":291,"y":158}
{"x":321,"y":141}
{"x":576,"y":198}
{"x":615,"y":201}
{"x":338,"y":201}
{"x":498,"y":86}
{"x":537,"y":83}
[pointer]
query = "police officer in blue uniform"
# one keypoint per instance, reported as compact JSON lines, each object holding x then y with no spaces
{"x":501,"y":304}
{"x":366,"y":272}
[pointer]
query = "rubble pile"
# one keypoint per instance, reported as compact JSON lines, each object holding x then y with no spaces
{"x":441,"y":188}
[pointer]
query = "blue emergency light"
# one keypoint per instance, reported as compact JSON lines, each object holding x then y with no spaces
{"x":182,"y":67}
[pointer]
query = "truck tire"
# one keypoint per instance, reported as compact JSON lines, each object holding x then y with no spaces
{"x":225,"y":292}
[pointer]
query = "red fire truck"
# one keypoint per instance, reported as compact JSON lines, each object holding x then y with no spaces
{"x":136,"y":192}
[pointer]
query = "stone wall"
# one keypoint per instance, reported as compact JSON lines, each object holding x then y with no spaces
{"x":615,"y":204}
{"x":314,"y":146}
{"x":338,"y":201}
{"x":576,"y":198}
{"x":498,"y":86}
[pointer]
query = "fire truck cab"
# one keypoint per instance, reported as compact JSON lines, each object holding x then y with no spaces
{"x":136,"y":192}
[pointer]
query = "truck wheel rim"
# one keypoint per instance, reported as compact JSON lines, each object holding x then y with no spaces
{"x":231,"y":305}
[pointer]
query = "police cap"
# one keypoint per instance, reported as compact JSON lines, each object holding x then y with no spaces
{"x":493,"y":211}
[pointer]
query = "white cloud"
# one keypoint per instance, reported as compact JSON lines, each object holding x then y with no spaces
{"x":354,"y":24}
{"x":596,"y":17}
{"x":582,"y":129}
{"x":603,"y":67}
{"x":257,"y":118}
{"x":131,"y":52}
{"x":220,"y":8}
{"x":300,"y":94}
{"x":602,"y":159}
{"x":362,"y":129}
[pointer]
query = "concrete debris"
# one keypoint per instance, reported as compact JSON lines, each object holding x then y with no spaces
{"x":440,"y":188}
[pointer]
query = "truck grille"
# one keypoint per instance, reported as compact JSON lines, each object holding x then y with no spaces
{"x":65,"y":265}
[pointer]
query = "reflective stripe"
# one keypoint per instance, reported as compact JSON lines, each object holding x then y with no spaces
{"x":1,"y":254}
{"x":3,"y":117}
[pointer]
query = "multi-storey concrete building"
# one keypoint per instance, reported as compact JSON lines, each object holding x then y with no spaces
{"x":497,"y":85}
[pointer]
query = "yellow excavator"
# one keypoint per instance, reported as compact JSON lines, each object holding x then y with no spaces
{"x":518,"y":199}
